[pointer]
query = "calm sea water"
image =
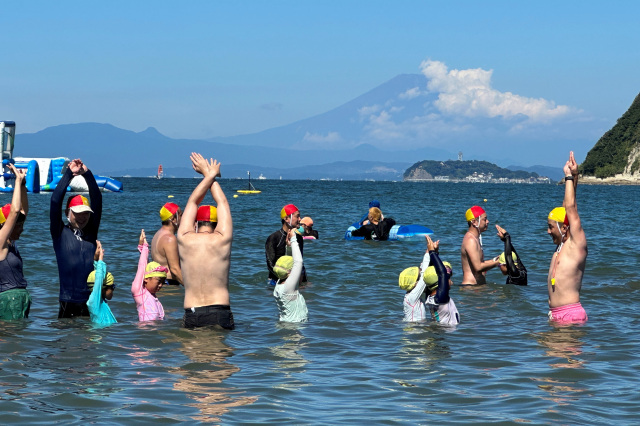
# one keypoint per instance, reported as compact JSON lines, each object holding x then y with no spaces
{"x":355,"y":360}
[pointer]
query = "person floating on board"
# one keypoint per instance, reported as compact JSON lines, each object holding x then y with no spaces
{"x":164,"y":245}
{"x":474,"y":267}
{"x":276,"y":244}
{"x":428,"y":288}
{"x":204,"y":240}
{"x":75,"y":243}
{"x":149,"y":280}
{"x":15,"y":301}
{"x":510,"y":263}
{"x":102,"y":285}
{"x":564,"y":281}
{"x":291,"y":304}
{"x":376,"y":227}
{"x":306,"y":229}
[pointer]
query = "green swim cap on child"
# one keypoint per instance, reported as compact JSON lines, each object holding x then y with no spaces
{"x":503,"y":259}
{"x":91,"y":279}
{"x":408,"y":278}
{"x":283,"y":267}
{"x":431,"y":277}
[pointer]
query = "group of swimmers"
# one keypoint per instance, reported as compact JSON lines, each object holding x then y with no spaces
{"x":193,"y":248}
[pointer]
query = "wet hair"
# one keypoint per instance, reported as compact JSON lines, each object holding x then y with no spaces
{"x":202,"y":223}
{"x":375,"y":214}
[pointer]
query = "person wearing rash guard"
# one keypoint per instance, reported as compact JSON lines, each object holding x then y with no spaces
{"x":15,"y":300}
{"x":376,"y":227}
{"x":75,"y":243}
{"x":474,"y":267}
{"x":291,"y":305}
{"x":148,"y":281}
{"x":276,"y":245}
{"x":426,"y":288}
{"x":102,"y":285}
{"x":564,"y":281}
{"x":438,"y":279}
{"x":510,"y":263}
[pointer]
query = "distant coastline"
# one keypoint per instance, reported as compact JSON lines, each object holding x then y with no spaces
{"x":615,"y":180}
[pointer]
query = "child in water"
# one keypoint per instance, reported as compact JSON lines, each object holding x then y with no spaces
{"x":291,"y":305}
{"x":102,"y":285}
{"x":148,"y":281}
{"x":429,"y":289}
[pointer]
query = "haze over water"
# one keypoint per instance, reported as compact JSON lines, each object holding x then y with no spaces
{"x":355,"y":360}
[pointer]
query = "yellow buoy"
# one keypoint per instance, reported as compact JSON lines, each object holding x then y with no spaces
{"x":235,"y":195}
{"x":485,"y":200}
{"x":170,"y":196}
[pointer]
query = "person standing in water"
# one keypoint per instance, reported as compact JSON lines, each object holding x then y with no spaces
{"x":474,"y":267}
{"x":15,"y":300}
{"x":75,"y":243}
{"x":276,"y":244}
{"x":164,"y":245}
{"x":564,"y":281}
{"x":204,"y":240}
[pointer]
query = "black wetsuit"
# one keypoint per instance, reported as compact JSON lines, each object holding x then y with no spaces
{"x":74,"y":250}
{"x":378,"y":232}
{"x":516,"y":274}
{"x":276,"y":247}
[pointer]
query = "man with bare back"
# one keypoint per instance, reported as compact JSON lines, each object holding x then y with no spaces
{"x":474,"y":267}
{"x":568,"y":262}
{"x":204,"y":245}
{"x":164,"y":246}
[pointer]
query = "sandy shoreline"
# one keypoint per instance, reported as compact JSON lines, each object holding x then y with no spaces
{"x":590,"y":180}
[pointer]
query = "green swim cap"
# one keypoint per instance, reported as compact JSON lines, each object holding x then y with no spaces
{"x":431,"y":276}
{"x":91,"y":279}
{"x":503,"y":259}
{"x":283,"y":267}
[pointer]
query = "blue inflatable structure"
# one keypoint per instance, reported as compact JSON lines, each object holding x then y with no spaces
{"x":42,"y":174}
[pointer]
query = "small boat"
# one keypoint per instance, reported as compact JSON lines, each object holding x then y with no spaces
{"x":251,"y":189}
{"x":261,"y":177}
{"x":160,"y":174}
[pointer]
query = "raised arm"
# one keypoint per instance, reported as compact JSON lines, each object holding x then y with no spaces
{"x":138,"y":281}
{"x":291,"y":283}
{"x":55,"y":212}
{"x":442,"y":294}
{"x":96,"y":203}
{"x":569,"y":203}
{"x":225,"y":224}
{"x":416,"y":292}
{"x":202,"y":166}
{"x":16,"y":201}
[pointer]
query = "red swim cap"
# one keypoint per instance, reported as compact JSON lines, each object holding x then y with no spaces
{"x":474,"y":212}
{"x":79,"y":204}
{"x":168,"y":210}
{"x":4,"y":213}
{"x":288,"y":210}
{"x":207,"y":214}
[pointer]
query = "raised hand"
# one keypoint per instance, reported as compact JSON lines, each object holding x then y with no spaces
{"x":291,"y":233}
{"x":573,"y":166}
{"x":199,"y":164}
{"x":19,"y":173}
{"x":501,"y":232}
{"x":214,"y":166}
{"x":77,"y":167}
{"x":99,"y":254}
{"x":431,"y":246}
{"x":143,"y":239}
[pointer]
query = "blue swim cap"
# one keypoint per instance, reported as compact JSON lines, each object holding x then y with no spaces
{"x":374,"y":203}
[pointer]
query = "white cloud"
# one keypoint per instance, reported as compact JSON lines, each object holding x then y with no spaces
{"x":315,"y":138}
{"x":368,"y":110}
{"x":410,"y":94}
{"x":469,"y":93}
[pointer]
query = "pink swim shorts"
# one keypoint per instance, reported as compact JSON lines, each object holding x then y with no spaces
{"x":573,"y":313}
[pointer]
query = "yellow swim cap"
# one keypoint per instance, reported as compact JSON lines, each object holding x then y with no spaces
{"x":283,"y":267}
{"x":431,"y":276}
{"x":408,"y":278}
{"x":559,"y":214}
{"x":91,"y":279}
{"x":503,"y":258}
{"x":154,"y":269}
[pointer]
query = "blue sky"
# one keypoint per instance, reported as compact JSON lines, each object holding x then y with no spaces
{"x":201,"y":69}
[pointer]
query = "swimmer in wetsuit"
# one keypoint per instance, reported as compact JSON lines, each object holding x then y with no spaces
{"x":291,"y":305}
{"x":276,"y":244}
{"x":164,"y":245}
{"x":75,"y":243}
{"x":510,"y":263}
{"x":376,"y":227}
{"x":568,"y":262}
{"x":474,"y":267}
